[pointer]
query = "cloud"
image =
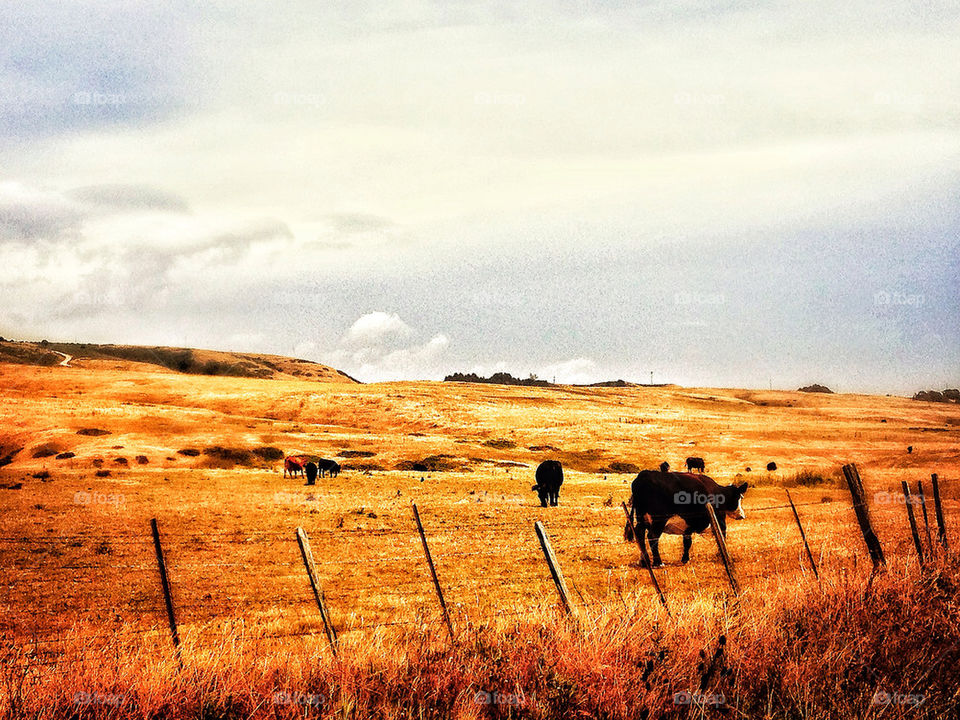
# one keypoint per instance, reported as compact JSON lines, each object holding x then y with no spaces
{"x":378,"y":347}
{"x":91,"y":64}
{"x":28,"y":213}
{"x":415,"y":362}
{"x":207,"y":175}
{"x":377,"y":329}
{"x":130,"y":197}
{"x":578,"y":371}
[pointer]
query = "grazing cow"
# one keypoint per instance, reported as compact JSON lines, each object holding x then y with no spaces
{"x":325,"y":466}
{"x":293,"y":464}
{"x":333,"y":469}
{"x":696,"y":463}
{"x":549,"y":479}
{"x":311,"y":468}
{"x":771,"y":466}
{"x":664,"y":467}
{"x":676,"y":504}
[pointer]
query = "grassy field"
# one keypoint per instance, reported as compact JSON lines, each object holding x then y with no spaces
{"x":82,"y":611}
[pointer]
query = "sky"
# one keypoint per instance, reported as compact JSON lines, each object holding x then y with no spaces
{"x":735,"y":194}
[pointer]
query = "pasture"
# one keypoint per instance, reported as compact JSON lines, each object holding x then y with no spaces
{"x":81,"y":590}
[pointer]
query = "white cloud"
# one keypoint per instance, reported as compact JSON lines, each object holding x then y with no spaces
{"x":578,"y":371}
{"x":377,"y":329}
{"x":409,"y":363}
{"x":378,"y":347}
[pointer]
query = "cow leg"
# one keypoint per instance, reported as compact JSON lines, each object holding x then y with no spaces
{"x":687,"y":542}
{"x":555,"y":498}
{"x":544,"y":497}
{"x":656,"y":530}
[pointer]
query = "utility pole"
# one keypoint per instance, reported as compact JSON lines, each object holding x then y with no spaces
{"x":651,"y":377}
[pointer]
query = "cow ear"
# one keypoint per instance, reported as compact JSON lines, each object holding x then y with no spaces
{"x":742,"y":488}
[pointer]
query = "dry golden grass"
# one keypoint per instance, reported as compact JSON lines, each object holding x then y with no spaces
{"x":80,"y":581}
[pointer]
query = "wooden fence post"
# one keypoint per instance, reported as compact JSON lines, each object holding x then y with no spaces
{"x":722,"y":547}
{"x":165,"y":584}
{"x":554,"y":569}
{"x":803,"y":536}
{"x":645,"y":560}
{"x":433,"y":572}
{"x":863,"y":515}
{"x":938,"y":510}
{"x":303,"y":540}
{"x":926,"y":518}
{"x":913,"y":520}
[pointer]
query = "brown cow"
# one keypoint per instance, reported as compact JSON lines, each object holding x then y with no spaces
{"x":294,"y":464}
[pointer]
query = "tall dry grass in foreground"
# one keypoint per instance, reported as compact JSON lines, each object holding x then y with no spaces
{"x":888,"y":648}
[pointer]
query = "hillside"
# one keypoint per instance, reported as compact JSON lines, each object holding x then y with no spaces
{"x":181,"y":360}
{"x":89,"y":454}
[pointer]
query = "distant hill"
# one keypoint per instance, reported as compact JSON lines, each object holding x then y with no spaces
{"x":499,"y":378}
{"x":503,"y":378}
{"x":950,"y":395}
{"x":815,"y":389}
{"x":182,"y":360}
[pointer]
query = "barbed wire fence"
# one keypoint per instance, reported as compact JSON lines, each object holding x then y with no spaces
{"x":151,"y":618}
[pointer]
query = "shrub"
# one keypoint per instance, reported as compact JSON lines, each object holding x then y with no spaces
{"x":229,"y":456}
{"x":500,"y":443}
{"x":809,"y":478}
{"x":269,"y":453}
{"x":45,"y":450}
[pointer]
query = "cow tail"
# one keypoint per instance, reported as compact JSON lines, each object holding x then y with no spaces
{"x":628,"y":531}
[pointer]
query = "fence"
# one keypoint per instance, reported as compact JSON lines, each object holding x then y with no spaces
{"x":200,"y":580}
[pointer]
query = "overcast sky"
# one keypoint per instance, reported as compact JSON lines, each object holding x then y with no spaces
{"x":723,"y":193}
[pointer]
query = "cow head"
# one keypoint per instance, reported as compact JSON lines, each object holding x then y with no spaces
{"x":732,"y":504}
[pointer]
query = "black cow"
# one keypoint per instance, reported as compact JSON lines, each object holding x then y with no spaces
{"x":311,"y":469}
{"x":771,"y":466}
{"x":326,"y":466}
{"x":676,"y":504}
{"x":333,"y":469}
{"x":549,"y":479}
{"x":695,"y":463}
